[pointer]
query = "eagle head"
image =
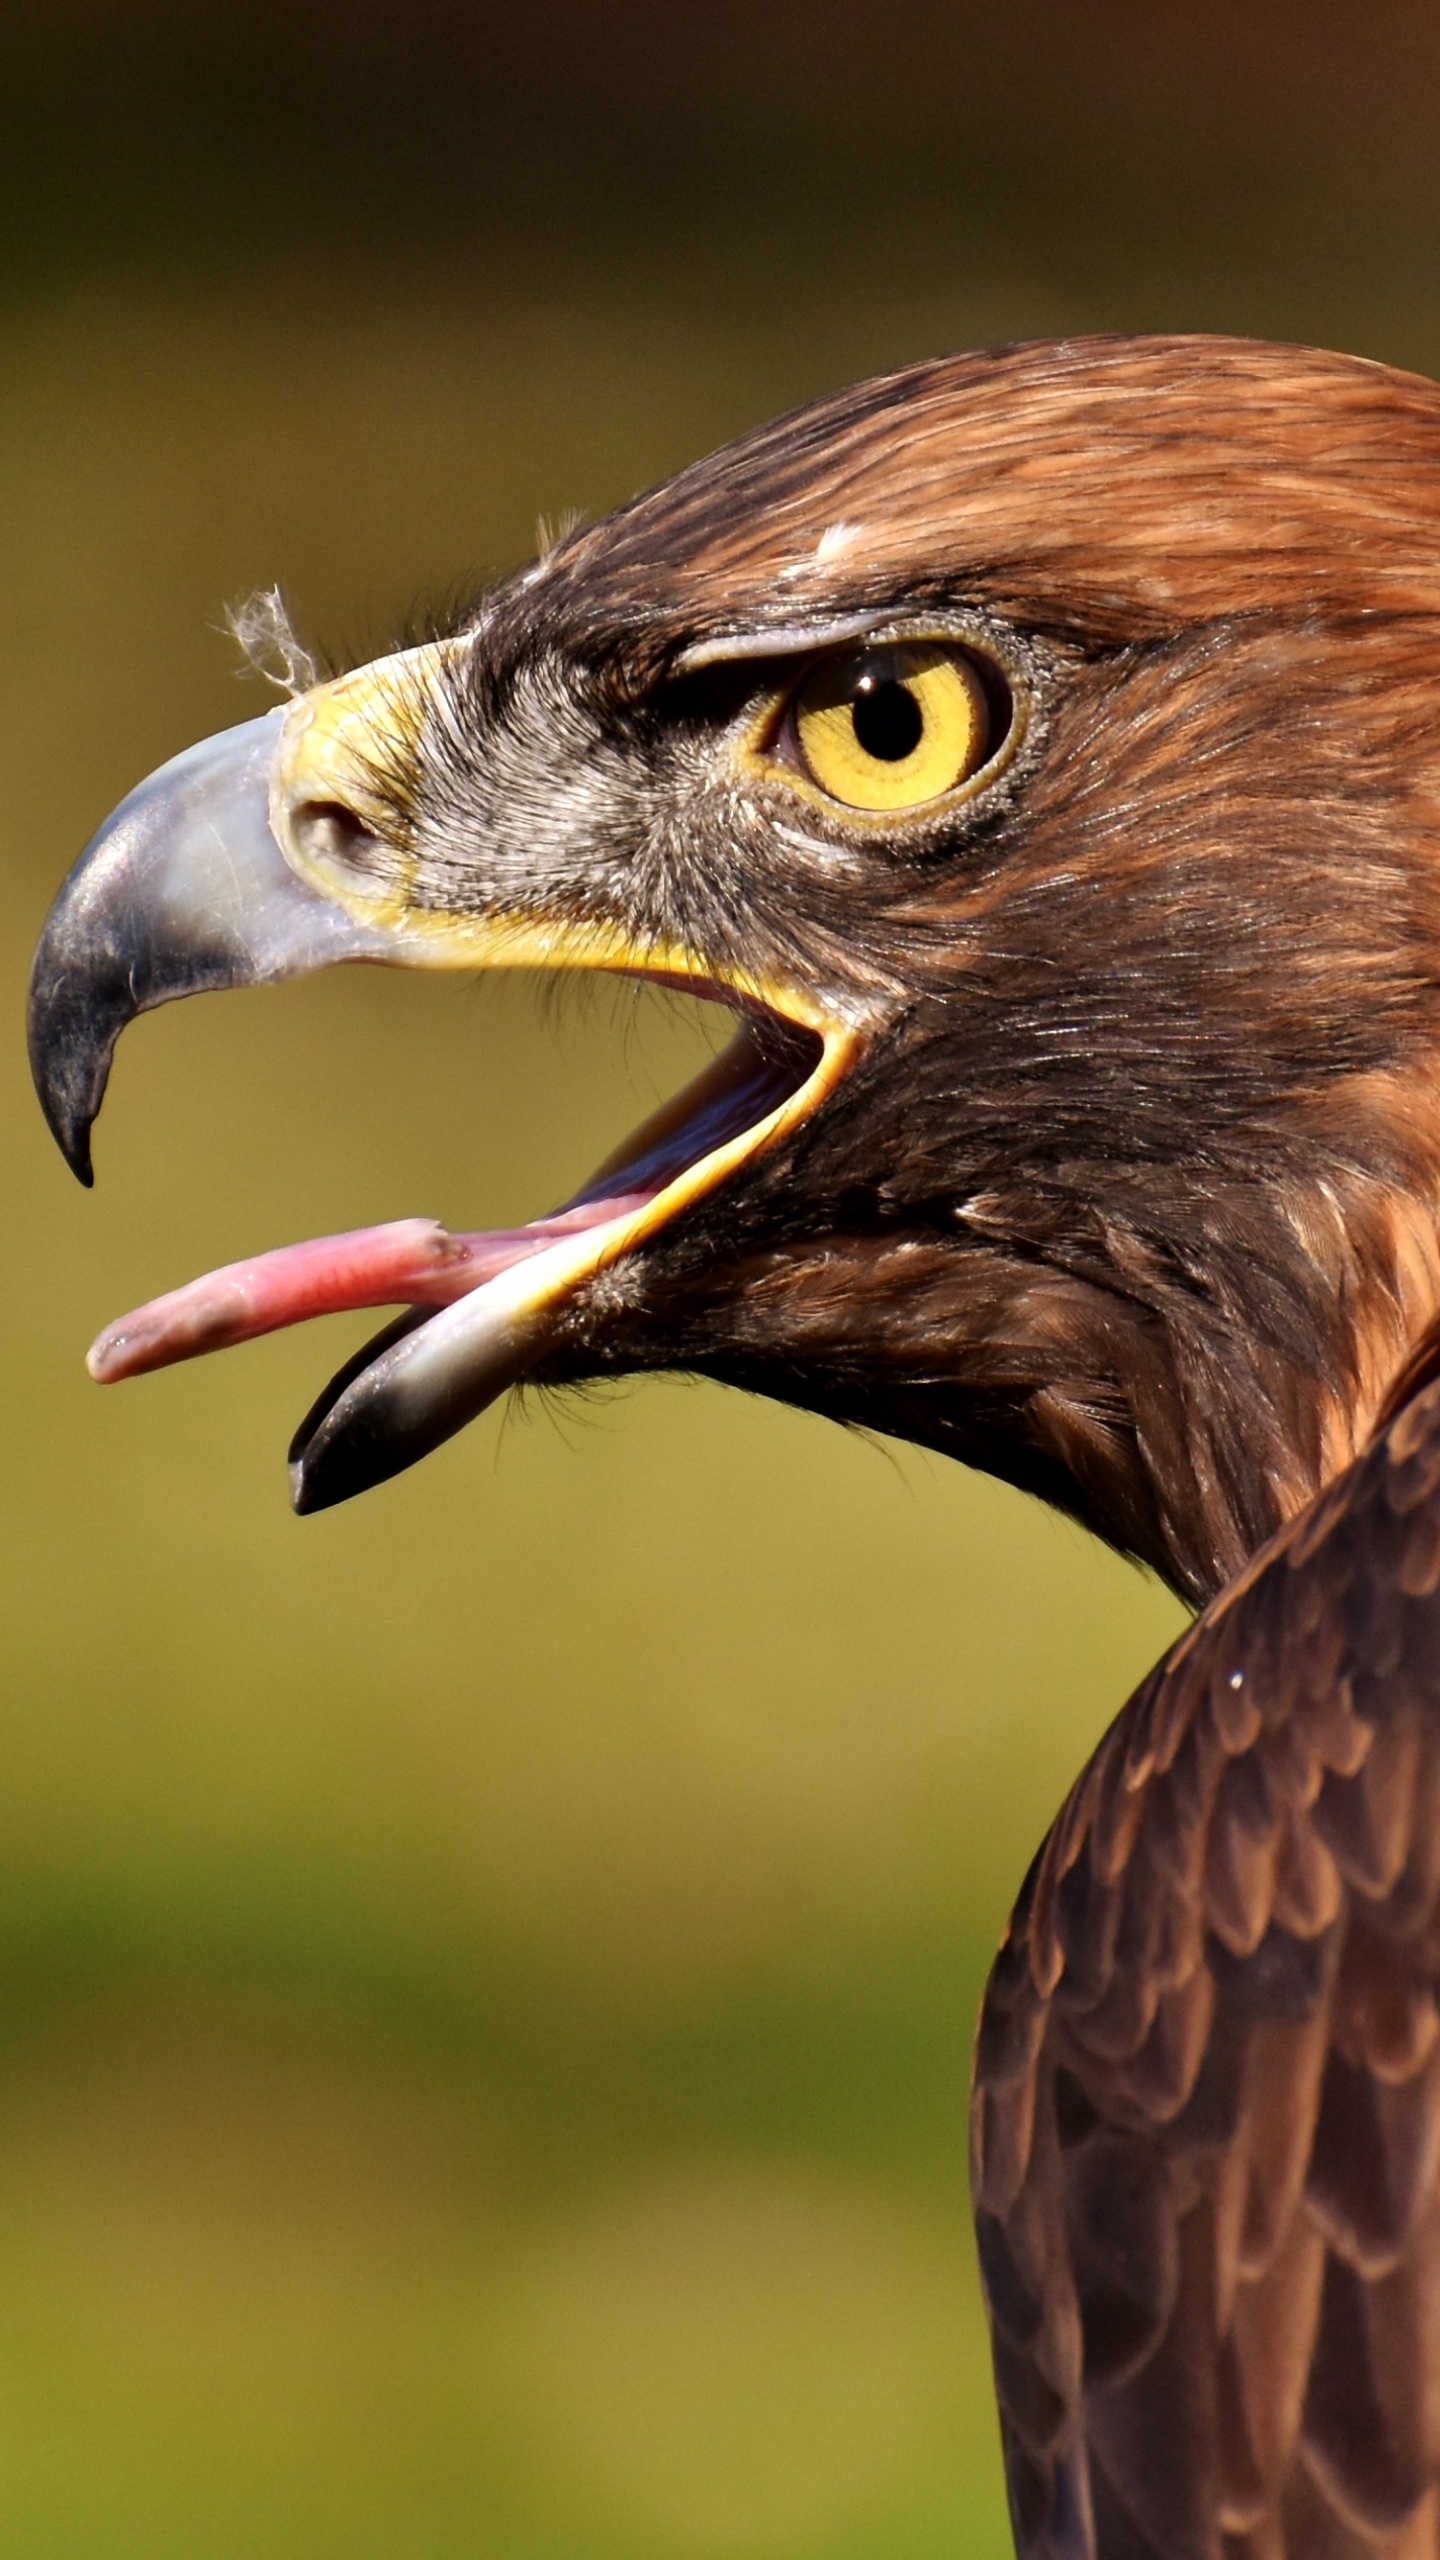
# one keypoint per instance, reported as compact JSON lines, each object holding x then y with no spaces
{"x":1038,"y":753}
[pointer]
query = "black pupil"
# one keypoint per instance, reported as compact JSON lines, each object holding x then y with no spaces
{"x":889,"y":722}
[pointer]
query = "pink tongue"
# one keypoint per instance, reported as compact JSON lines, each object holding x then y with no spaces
{"x":413,"y":1262}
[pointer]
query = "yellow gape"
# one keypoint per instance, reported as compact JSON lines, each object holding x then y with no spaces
{"x":892,"y":728}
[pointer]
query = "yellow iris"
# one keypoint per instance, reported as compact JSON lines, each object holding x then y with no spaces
{"x":893,"y":728}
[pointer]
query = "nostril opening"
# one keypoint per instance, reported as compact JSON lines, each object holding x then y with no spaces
{"x":327,"y":832}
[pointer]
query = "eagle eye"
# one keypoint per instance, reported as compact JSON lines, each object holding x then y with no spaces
{"x":892,"y":728}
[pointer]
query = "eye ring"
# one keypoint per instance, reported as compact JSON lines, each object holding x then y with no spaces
{"x":888,"y":731}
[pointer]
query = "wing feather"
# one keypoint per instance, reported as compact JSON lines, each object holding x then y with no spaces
{"x":1207,"y":2086}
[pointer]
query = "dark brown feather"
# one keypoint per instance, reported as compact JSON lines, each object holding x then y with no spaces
{"x":1247,"y":2213}
{"x":1134,"y":1200}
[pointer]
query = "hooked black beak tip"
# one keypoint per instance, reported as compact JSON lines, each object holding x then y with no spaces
{"x":71,"y":1046}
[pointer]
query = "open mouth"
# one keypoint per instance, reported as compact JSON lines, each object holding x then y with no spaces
{"x":484,"y":1300}
{"x":208,"y":877}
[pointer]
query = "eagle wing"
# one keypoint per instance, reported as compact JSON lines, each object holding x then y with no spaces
{"x":1206,"y":2124}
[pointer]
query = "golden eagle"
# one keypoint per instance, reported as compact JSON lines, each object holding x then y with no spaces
{"x":1039,"y":754}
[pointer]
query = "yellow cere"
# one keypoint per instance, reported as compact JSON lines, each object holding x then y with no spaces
{"x":889,"y":729}
{"x":329,"y":744}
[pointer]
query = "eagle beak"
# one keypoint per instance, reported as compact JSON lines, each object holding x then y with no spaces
{"x":269,"y":852}
{"x":184,"y":890}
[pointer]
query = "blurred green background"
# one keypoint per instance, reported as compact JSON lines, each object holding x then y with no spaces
{"x":488,"y":1974}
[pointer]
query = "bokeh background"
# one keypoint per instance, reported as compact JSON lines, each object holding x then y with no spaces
{"x":486,"y":1975}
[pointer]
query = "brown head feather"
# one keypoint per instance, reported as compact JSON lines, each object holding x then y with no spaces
{"x":1108,"y":488}
{"x":1135,"y":1200}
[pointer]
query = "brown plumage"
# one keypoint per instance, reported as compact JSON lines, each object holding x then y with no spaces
{"x":1086,"y":1125}
{"x":1206,"y":2127}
